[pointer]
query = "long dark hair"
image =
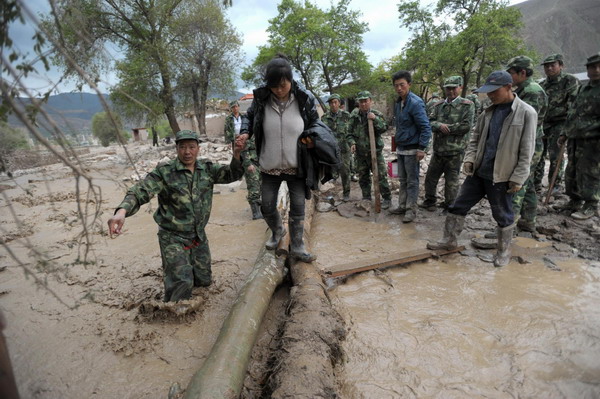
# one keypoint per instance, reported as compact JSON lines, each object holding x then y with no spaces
{"x":277,"y":69}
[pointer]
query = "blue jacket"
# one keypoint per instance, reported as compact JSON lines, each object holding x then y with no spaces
{"x":412,"y":125}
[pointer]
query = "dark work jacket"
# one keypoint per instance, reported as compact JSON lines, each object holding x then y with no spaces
{"x":324,"y":158}
{"x":252,"y":122}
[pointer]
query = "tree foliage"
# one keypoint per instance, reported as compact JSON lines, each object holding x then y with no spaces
{"x":323,"y":46}
{"x":11,"y":139}
{"x":208,"y":56}
{"x":469,"y":38}
{"x":108,"y":128}
{"x":147,"y":33}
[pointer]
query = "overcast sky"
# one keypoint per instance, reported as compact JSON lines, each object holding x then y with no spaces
{"x":384,"y":39}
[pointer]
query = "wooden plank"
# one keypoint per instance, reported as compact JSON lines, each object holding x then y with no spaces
{"x":402,"y":258}
{"x":374,"y":167}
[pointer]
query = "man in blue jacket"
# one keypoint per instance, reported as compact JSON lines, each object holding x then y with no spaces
{"x":413,"y":133}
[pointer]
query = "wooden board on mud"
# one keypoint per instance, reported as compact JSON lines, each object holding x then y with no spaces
{"x":402,"y":258}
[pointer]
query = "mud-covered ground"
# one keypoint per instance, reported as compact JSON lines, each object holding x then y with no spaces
{"x":99,"y":329}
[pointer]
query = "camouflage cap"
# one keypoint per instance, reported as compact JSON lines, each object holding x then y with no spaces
{"x":334,"y":97}
{"x":520,"y":61}
{"x":435,"y":95}
{"x":453,"y":81}
{"x":594,"y":59}
{"x":234,"y":103}
{"x":496,"y":80}
{"x":186,"y":135}
{"x":551,"y":58}
{"x":363,"y":95}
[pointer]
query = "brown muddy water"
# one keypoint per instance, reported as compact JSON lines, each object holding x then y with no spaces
{"x":457,"y":327}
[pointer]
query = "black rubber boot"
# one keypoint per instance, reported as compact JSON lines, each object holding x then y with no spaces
{"x":274,"y":222}
{"x":505,"y":235}
{"x":256,"y":214}
{"x":297,"y":250}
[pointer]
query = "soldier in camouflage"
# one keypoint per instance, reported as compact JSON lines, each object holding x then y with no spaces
{"x":525,"y":200}
{"x":582,"y":129}
{"x":184,"y":187}
{"x":451,"y":121}
{"x":337,"y":120}
{"x":474,"y":98}
{"x":435,"y":98}
{"x":233,"y":122}
{"x":561,"y":89}
{"x":358,"y":139}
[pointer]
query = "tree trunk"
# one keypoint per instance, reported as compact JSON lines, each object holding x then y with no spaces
{"x":167,"y":96}
{"x":204,"y":80}
{"x":195,"y":87}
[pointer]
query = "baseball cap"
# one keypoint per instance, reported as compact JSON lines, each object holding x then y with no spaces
{"x":520,"y":61}
{"x":496,"y":80}
{"x":334,"y":97}
{"x":363,"y":95}
{"x":186,"y":135}
{"x":593,"y":59}
{"x":453,"y":81}
{"x":551,"y":58}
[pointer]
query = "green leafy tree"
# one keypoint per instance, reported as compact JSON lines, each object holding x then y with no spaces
{"x":11,"y":139}
{"x":108,"y":128}
{"x":323,"y":46}
{"x":209,"y":54}
{"x":140,"y":29}
{"x":459,"y":37}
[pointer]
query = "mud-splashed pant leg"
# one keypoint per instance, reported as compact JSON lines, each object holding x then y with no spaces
{"x":176,"y":253}
{"x":200,"y":256}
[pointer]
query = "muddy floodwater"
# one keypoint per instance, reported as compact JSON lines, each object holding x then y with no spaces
{"x":457,"y":327}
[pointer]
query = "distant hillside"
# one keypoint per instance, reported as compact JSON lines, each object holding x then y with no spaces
{"x":570,"y":27}
{"x":74,"y":111}
{"x":70,"y":111}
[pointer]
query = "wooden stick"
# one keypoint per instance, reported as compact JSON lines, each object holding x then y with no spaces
{"x":555,"y":173}
{"x":394,"y":260}
{"x":374,"y":168}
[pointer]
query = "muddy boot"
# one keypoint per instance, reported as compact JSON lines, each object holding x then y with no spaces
{"x":572,"y":206}
{"x":505,"y":235}
{"x":400,"y":210}
{"x":428,"y":205}
{"x":274,"y":222}
{"x":411,"y":213}
{"x":256,"y":214}
{"x":587,"y":211}
{"x":385,"y":203}
{"x":452,"y":229}
{"x":526,"y":225}
{"x":297,"y":250}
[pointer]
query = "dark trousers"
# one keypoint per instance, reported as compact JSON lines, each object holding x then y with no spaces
{"x":270,"y":188}
{"x":474,"y":188}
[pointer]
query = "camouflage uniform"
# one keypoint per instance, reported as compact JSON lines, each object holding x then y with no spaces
{"x":561,"y":91}
{"x":434,"y":100}
{"x":338,"y":123}
{"x":249,"y":158}
{"x":475,"y":100}
{"x":525,"y":200}
{"x":184,"y":204}
{"x":582,"y":128}
{"x":448,"y":149}
{"x":358,"y":134}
